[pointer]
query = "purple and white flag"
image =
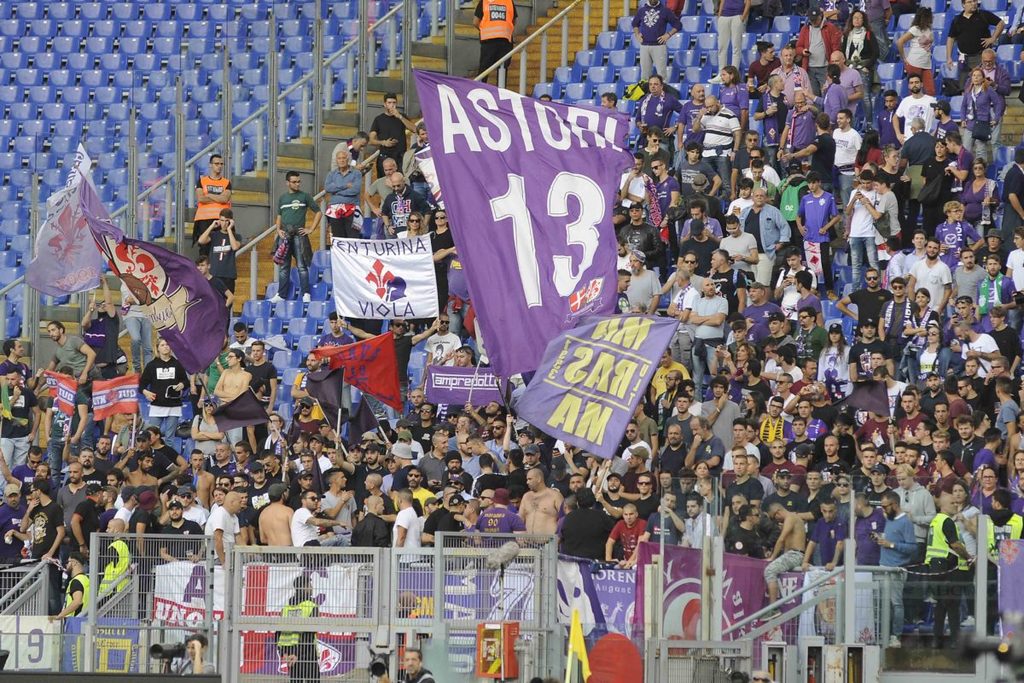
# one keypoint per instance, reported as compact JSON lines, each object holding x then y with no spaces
{"x":529,"y":188}
{"x":592,"y":378}
{"x":64,"y":260}
{"x":183,"y":306}
{"x":457,"y":386}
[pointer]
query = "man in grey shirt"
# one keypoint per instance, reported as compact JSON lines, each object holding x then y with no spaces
{"x":967,"y":276}
{"x":644,"y":288}
{"x":708,"y":315}
{"x":71,"y":352}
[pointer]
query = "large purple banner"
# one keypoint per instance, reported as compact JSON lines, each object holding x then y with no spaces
{"x":458,"y":386}
{"x":592,"y":377}
{"x":1011,"y":578}
{"x":529,"y":188}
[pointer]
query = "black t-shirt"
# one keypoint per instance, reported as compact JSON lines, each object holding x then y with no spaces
{"x":794,"y":502}
{"x":646,"y":507}
{"x":585,"y":532}
{"x":824,"y":157}
{"x":261,"y":376}
{"x":21,"y":409}
{"x":752,"y":489}
{"x":1008,"y":342}
{"x":702,"y":250}
{"x":90,"y":514}
{"x":439,"y":241}
{"x":968,"y":32}
{"x":740,"y":541}
{"x":259,"y":497}
{"x":187,"y":528}
{"x":388,"y":127}
{"x":140,"y":516}
{"x":965,"y":451}
{"x":860,"y":354}
{"x":672,"y":459}
{"x":46,"y":519}
{"x":222,"y":255}
{"x":869,"y":304}
{"x":728,"y":284}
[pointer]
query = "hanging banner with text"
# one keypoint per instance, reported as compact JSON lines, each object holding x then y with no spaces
{"x":458,"y":386}
{"x":529,"y":187}
{"x":592,"y":378}
{"x":384,"y":279}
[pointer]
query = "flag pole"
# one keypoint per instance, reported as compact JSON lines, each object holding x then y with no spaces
{"x":132,"y":445}
{"x":337,"y":431}
{"x":472,"y":385}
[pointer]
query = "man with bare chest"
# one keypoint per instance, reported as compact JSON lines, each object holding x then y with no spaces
{"x":275,"y":521}
{"x":788,"y":553}
{"x":235,"y":379}
{"x":540,"y":505}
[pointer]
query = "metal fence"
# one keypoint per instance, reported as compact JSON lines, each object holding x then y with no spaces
{"x":697,"y":661}
{"x":24,"y":590}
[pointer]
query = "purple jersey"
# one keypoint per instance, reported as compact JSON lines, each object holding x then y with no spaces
{"x":495,"y":520}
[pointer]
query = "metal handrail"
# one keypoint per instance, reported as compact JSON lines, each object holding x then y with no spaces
{"x":781,"y":601}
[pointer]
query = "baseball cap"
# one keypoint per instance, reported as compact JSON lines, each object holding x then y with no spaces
{"x":276,"y":490}
{"x":993,"y":233}
{"x":175,"y":504}
{"x":456,"y":500}
{"x":92,"y":488}
{"x":532,"y":448}
{"x":186,"y":490}
{"x":404,"y":435}
{"x":639,"y":255}
{"x":783,"y":472}
{"x":881,"y":468}
{"x":256,"y":467}
{"x":815,"y":14}
{"x":304,"y":474}
{"x":835,"y":327}
{"x":501,"y":496}
{"x":370,"y":435}
{"x":308,"y":402}
{"x":11,"y":489}
{"x":943,"y":106}
{"x":776,"y":317}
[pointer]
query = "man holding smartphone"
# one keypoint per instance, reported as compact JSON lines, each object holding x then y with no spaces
{"x":224,"y":241}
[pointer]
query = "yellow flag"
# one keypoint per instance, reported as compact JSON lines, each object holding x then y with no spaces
{"x":577,"y":666}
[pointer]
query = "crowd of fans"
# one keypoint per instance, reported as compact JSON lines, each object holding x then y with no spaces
{"x":838,"y":246}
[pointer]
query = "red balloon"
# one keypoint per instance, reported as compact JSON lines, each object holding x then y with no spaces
{"x":615,"y":659}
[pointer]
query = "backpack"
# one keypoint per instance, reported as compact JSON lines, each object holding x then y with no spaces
{"x":636,"y":91}
{"x":789,"y":200}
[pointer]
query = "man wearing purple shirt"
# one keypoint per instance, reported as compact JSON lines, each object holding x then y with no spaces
{"x":869,"y":524}
{"x":799,"y":131}
{"x":688,"y":114}
{"x":653,"y":25}
{"x":885,"y":120}
{"x":815,"y":216}
{"x":498,"y":519}
{"x":849,"y":79}
{"x":656,"y":108}
{"x":955,"y":234}
{"x":827,"y":538}
{"x":758,"y":311}
{"x":944,"y":123}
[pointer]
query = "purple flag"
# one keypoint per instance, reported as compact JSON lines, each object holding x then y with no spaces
{"x":458,"y":385}
{"x":325,"y":386}
{"x":529,"y":188}
{"x":64,"y":260}
{"x":185,"y":308}
{"x":243,"y":411}
{"x":592,"y":378}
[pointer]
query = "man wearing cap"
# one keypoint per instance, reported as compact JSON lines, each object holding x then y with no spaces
{"x":445,"y":519}
{"x":644,"y":289}
{"x":191,"y":509}
{"x":44,"y":522}
{"x":76,"y":599}
{"x":307,"y":523}
{"x":178,"y":525}
{"x":11,"y":513}
{"x":817,"y":40}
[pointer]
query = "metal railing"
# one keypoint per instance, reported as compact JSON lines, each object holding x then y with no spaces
{"x":561,"y":19}
{"x":25,"y":590}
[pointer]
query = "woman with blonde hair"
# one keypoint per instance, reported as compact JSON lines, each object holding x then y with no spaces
{"x":981,"y":109}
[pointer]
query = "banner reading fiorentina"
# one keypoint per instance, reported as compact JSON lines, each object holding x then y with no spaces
{"x":184,"y":307}
{"x":118,"y":395}
{"x":456,"y":386}
{"x":370,"y":366}
{"x":592,"y":377}
{"x":384,"y":278}
{"x":529,"y":188}
{"x":64,"y":260}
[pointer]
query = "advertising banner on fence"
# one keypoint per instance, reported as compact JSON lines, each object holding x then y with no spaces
{"x":456,"y":386}
{"x":592,"y":377}
{"x":384,"y":278}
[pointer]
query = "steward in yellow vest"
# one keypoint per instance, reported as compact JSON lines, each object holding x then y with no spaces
{"x":76,"y":595}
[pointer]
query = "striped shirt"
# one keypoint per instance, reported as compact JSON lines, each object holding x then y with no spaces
{"x":719,"y":130}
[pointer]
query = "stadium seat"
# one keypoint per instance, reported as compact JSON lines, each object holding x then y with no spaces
{"x":319,"y":310}
{"x":786,"y":24}
{"x":578,"y":91}
{"x":622,"y":58}
{"x":124,"y":11}
{"x":105,"y":29}
{"x":890,"y":72}
{"x":284,"y":360}
{"x":610,"y":40}
{"x":301,"y":326}
{"x":265,"y":327}
{"x":62,"y":11}
{"x":92,"y":11}
{"x":286,"y":310}
{"x":544,"y":89}
{"x":630,"y":75}
{"x":599,"y":74}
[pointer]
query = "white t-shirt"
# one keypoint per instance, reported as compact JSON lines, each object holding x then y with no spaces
{"x":196,"y":513}
{"x":934,"y":279}
{"x":125,"y":515}
{"x":1015,"y":263}
{"x":919,"y":47}
{"x":912,"y":107}
{"x":790,"y":294}
{"x":861,"y":222}
{"x":847,"y":144}
{"x":983,"y":344}
{"x":440,"y":345}
{"x":742,"y":244}
{"x":407,"y":520}
{"x":303,"y":533}
{"x":894,"y":393}
{"x":636,"y":188}
{"x":226,"y":522}
{"x":770,"y":176}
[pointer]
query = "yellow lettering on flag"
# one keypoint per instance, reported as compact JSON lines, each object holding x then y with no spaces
{"x":629,"y":333}
{"x":585,"y":420}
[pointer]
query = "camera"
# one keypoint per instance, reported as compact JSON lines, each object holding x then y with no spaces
{"x":167,"y":650}
{"x":378,"y":665}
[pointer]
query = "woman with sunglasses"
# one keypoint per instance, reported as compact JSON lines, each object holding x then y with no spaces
{"x":922,"y":319}
{"x":205,"y":432}
{"x":979,"y":196}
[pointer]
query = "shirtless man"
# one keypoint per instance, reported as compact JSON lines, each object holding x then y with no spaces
{"x":202,"y":481}
{"x":275,"y":520}
{"x":143,"y":475}
{"x":540,"y":505}
{"x":788,"y":553}
{"x":234,"y":380}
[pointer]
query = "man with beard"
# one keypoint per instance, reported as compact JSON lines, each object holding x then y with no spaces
{"x":611,"y":499}
{"x":673,"y":455}
{"x":644,"y":289}
{"x":177,"y":525}
{"x":898,"y":549}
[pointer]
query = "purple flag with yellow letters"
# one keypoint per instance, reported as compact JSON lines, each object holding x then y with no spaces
{"x":529,"y":188}
{"x":187,"y":312}
{"x":593,"y":376}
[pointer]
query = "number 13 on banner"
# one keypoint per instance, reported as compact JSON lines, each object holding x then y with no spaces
{"x":582,"y":232}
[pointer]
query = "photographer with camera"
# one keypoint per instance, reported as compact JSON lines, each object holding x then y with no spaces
{"x":224,"y":241}
{"x":413,"y":671}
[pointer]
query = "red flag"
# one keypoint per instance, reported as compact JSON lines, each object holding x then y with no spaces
{"x":64,"y":392}
{"x":118,"y":395}
{"x":371,"y":366}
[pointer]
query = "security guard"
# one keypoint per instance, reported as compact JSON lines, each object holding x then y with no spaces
{"x":298,"y":650}
{"x":115,"y":571}
{"x":946,"y":558}
{"x":496,"y":20}
{"x":76,"y":596}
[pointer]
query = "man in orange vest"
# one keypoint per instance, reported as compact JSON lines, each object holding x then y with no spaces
{"x":496,"y":20}
{"x":213,"y":193}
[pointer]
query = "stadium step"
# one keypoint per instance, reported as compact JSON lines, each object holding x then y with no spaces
{"x":1013,"y":121}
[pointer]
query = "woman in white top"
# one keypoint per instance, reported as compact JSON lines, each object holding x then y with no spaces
{"x":917,"y":59}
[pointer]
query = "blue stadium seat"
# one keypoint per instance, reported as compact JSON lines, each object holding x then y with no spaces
{"x":708,"y":42}
{"x":28,"y":77}
{"x":23,"y":111}
{"x":92,"y":11}
{"x":286,"y":310}
{"x":187,"y":12}
{"x":692,"y":24}
{"x":319,"y":310}
{"x":629,"y":75}
{"x":157,"y":11}
{"x":107,"y":95}
{"x":284,"y":360}
{"x":75,"y":95}
{"x":786,"y":24}
{"x":994,"y":6}
{"x":219,"y":12}
{"x":124,"y":11}
{"x":62,"y":11}
{"x":105,"y":29}
{"x":69,"y":45}
{"x":307,"y":343}
{"x":678,"y":41}
{"x":98,"y":45}
{"x":41,"y":94}
{"x":164,"y":46}
{"x":698,"y":74}
{"x":622,"y":58}
{"x":610,"y":40}
{"x":563,"y":76}
{"x":543,"y":89}
{"x":301,"y":326}
{"x":76,"y":28}
{"x":1008,"y":53}
{"x":60,"y":78}
{"x":265,"y":327}
{"x":599,"y":74}
{"x":44,"y":28}
{"x":890,"y":72}
{"x":579,"y":91}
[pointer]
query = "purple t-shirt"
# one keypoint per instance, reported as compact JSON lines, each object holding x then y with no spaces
{"x":665,"y":189}
{"x":941,"y":129}
{"x":802,"y":131}
{"x":885,"y":123}
{"x":955,"y":236}
{"x":689,"y":113}
{"x":827,"y":536}
{"x":869,"y":552}
{"x":735,"y":97}
{"x":759,"y":314}
{"x":810,"y":300}
{"x":834,"y":99}
{"x":731,"y":8}
{"x":657,"y":111}
{"x":10,"y":518}
{"x":816,"y":212}
{"x":653,"y":22}
{"x":495,"y":520}
{"x":850,"y":80}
